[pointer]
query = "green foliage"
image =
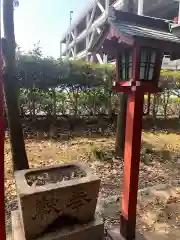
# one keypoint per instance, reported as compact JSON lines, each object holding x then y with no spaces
{"x":99,"y":154}
{"x":43,"y":73}
{"x":170,"y":73}
{"x":80,"y":87}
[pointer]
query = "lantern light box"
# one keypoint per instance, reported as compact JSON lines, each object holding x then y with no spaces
{"x":147,"y":65}
{"x":138,"y":43}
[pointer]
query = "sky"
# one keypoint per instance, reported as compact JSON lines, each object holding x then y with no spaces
{"x":45,"y":21}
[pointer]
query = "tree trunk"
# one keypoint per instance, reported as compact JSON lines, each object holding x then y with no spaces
{"x":110,"y":98}
{"x":33,"y":105}
{"x":166,"y":97}
{"x":154,"y":108}
{"x":110,"y":105}
{"x":165,"y":111}
{"x":94,"y":105}
{"x":76,"y":104}
{"x":121,"y":119}
{"x":121,"y":125}
{"x":29,"y":102}
{"x":54,"y":103}
{"x":19,"y":156}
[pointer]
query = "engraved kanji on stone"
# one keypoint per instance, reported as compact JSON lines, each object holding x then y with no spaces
{"x":44,"y":207}
{"x":79,"y":198}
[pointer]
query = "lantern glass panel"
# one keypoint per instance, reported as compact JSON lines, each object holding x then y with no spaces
{"x":125,"y":66}
{"x":147,"y":64}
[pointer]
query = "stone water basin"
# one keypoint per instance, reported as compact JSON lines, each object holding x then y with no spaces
{"x":55,"y":196}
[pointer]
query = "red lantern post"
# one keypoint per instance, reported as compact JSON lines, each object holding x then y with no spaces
{"x":138,"y":44}
{"x":2,"y":196}
{"x":2,"y":199}
{"x":133,"y":82}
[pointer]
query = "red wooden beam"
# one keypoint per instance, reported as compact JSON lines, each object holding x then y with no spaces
{"x":2,"y":196}
{"x":132,"y":155}
{"x":131,"y":164}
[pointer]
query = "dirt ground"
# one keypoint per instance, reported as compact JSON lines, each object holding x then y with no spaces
{"x":160,"y":164}
{"x":158,"y":211}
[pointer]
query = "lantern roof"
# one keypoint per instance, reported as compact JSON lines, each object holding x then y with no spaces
{"x":143,"y":31}
{"x":128,"y":28}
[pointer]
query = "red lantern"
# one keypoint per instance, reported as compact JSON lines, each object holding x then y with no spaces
{"x":138,"y":44}
{"x":137,"y":69}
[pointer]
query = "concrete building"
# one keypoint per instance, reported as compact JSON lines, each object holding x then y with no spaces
{"x":77,"y":40}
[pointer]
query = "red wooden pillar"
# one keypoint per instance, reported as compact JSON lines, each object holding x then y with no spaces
{"x":2,"y":199}
{"x":131,"y":164}
{"x":2,"y":196}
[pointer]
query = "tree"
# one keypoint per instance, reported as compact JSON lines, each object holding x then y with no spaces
{"x":121,"y":125}
{"x":121,"y":119}
{"x":166,"y":101}
{"x":54,"y":87}
{"x":19,"y":155}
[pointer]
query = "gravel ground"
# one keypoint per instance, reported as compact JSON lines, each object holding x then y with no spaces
{"x":160,"y":162}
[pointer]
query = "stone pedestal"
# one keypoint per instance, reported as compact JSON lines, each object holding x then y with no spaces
{"x":93,"y":230}
{"x":114,"y":234}
{"x":55,"y":195}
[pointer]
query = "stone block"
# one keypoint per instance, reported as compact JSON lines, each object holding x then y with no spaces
{"x":17,"y":228}
{"x":114,"y":234}
{"x":94,"y":230}
{"x":55,"y":194}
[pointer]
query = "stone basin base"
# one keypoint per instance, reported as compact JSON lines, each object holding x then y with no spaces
{"x":94,"y":230}
{"x":55,"y":195}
